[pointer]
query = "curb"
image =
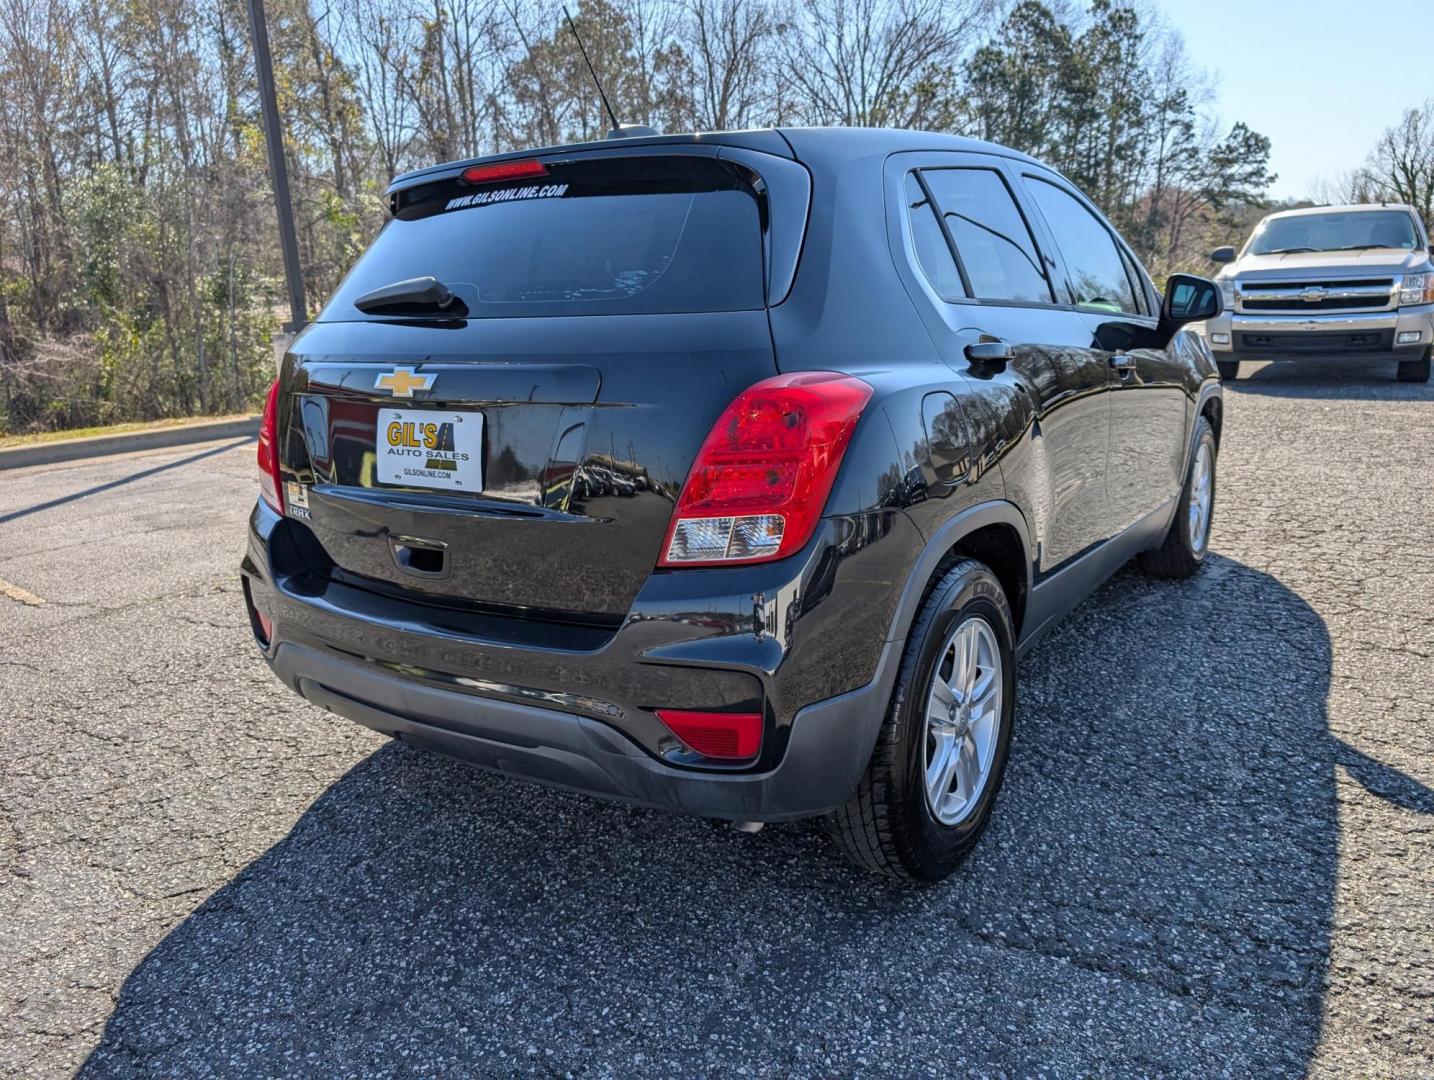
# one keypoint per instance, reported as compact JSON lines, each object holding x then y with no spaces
{"x":17,"y":457}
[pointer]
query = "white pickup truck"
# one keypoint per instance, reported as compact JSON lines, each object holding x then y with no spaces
{"x":1339,"y":282}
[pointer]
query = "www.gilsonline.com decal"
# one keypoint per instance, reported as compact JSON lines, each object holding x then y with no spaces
{"x":532,"y":191}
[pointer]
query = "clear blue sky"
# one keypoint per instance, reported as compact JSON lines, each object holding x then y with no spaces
{"x":1321,"y":78}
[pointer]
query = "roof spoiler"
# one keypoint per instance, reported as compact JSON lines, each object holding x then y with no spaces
{"x":765,"y":141}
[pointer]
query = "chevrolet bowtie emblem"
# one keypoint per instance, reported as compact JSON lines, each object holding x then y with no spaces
{"x":402,"y":382}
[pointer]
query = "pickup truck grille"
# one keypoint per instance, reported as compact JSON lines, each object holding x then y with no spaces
{"x":1301,"y":297}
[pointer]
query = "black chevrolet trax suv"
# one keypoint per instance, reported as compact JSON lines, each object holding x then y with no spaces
{"x":728,"y":473}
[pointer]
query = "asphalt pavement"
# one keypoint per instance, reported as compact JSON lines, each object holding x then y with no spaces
{"x":1213,"y":856}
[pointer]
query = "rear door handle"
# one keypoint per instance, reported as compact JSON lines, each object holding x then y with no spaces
{"x":1122,"y":362}
{"x":989,"y":352}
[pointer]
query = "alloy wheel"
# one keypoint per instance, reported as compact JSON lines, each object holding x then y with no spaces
{"x":963,"y":719}
{"x":1202,"y":490}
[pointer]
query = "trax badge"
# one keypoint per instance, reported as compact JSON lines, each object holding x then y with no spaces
{"x":296,"y":498}
{"x":402,"y":382}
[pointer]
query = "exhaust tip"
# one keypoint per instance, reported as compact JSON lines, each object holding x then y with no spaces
{"x":748,"y":826}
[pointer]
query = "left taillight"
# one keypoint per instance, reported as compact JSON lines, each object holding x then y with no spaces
{"x":271,"y":488}
{"x":761,"y":480}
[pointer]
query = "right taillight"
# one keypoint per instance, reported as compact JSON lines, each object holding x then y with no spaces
{"x":271,"y":488}
{"x":762,"y":477}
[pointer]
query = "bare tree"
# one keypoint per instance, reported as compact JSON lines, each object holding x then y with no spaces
{"x":139,"y":264}
{"x":878,"y":63}
{"x":1401,"y":166}
{"x":380,"y":41}
{"x":727,"y":51}
{"x":1351,"y":186}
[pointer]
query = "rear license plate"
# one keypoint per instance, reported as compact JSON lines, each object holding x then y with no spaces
{"x":423,"y":448}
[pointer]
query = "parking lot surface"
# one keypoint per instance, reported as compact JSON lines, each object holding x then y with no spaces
{"x":1213,"y":856}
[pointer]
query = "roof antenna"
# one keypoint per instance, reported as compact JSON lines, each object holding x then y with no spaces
{"x":616,"y":127}
{"x":619,"y":131}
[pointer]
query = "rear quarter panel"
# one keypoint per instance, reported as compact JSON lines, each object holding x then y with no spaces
{"x":919,"y":451}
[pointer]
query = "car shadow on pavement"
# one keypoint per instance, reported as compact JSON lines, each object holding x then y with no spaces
{"x":1154,"y":896}
{"x":130,"y":478}
{"x":1313,"y":378}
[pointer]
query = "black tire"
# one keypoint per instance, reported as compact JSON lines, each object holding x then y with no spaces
{"x":1180,"y":556}
{"x":888,"y":826}
{"x":1415,"y":371}
{"x":1229,"y":369}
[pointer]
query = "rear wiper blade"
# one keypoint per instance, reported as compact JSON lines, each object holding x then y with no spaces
{"x":411,"y":296}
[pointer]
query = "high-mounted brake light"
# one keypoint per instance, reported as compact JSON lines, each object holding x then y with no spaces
{"x":729,"y":736}
{"x":504,"y":170}
{"x":271,"y":488}
{"x":762,"y":477}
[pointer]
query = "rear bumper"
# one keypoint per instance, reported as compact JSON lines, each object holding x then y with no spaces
{"x":1402,"y":334}
{"x":826,"y":753}
{"x":805,"y":641}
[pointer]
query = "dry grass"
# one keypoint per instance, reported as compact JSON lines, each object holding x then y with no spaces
{"x":111,"y":429}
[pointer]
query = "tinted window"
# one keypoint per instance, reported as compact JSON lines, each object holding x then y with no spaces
{"x":1137,"y":277}
{"x":618,"y":236}
{"x":1093,"y":262}
{"x":992,"y":240}
{"x":932,"y":251}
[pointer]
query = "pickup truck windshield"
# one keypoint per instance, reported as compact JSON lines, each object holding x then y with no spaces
{"x":1347,"y":230}
{"x":605,"y":236}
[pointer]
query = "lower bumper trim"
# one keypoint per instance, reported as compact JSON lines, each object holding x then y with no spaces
{"x":1369,"y":341}
{"x":830,"y":744}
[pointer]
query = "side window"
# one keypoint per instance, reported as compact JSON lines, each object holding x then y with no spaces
{"x":992,"y":240}
{"x":932,"y":251}
{"x":1137,"y":279}
{"x":1097,"y":273}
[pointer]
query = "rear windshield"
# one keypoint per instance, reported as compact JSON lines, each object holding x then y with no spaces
{"x":1357,"y":230}
{"x":637,"y":235}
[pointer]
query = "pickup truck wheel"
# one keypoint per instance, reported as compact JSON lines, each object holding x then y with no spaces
{"x":1414,"y":370}
{"x":1183,"y":551}
{"x":1229,"y":369}
{"x":941,"y":754}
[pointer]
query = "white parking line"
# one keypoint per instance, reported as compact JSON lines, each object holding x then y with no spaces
{"x":14,"y":592}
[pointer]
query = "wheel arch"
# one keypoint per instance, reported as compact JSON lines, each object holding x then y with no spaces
{"x":1211,"y":405}
{"x":994,"y":533}
{"x":1212,"y":408}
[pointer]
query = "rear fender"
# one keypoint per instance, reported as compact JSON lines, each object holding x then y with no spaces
{"x":949,"y":536}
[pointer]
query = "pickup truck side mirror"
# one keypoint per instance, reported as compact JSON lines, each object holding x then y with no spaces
{"x":1224,"y":254}
{"x":1188,"y":299}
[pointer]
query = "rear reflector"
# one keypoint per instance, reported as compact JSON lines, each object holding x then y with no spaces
{"x":762,"y":477}
{"x":266,"y":627}
{"x":722,"y":735}
{"x":504,"y":170}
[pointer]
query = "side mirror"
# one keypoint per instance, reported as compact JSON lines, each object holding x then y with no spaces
{"x":1431,"y":249}
{"x":1189,"y":299}
{"x":1224,"y":254}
